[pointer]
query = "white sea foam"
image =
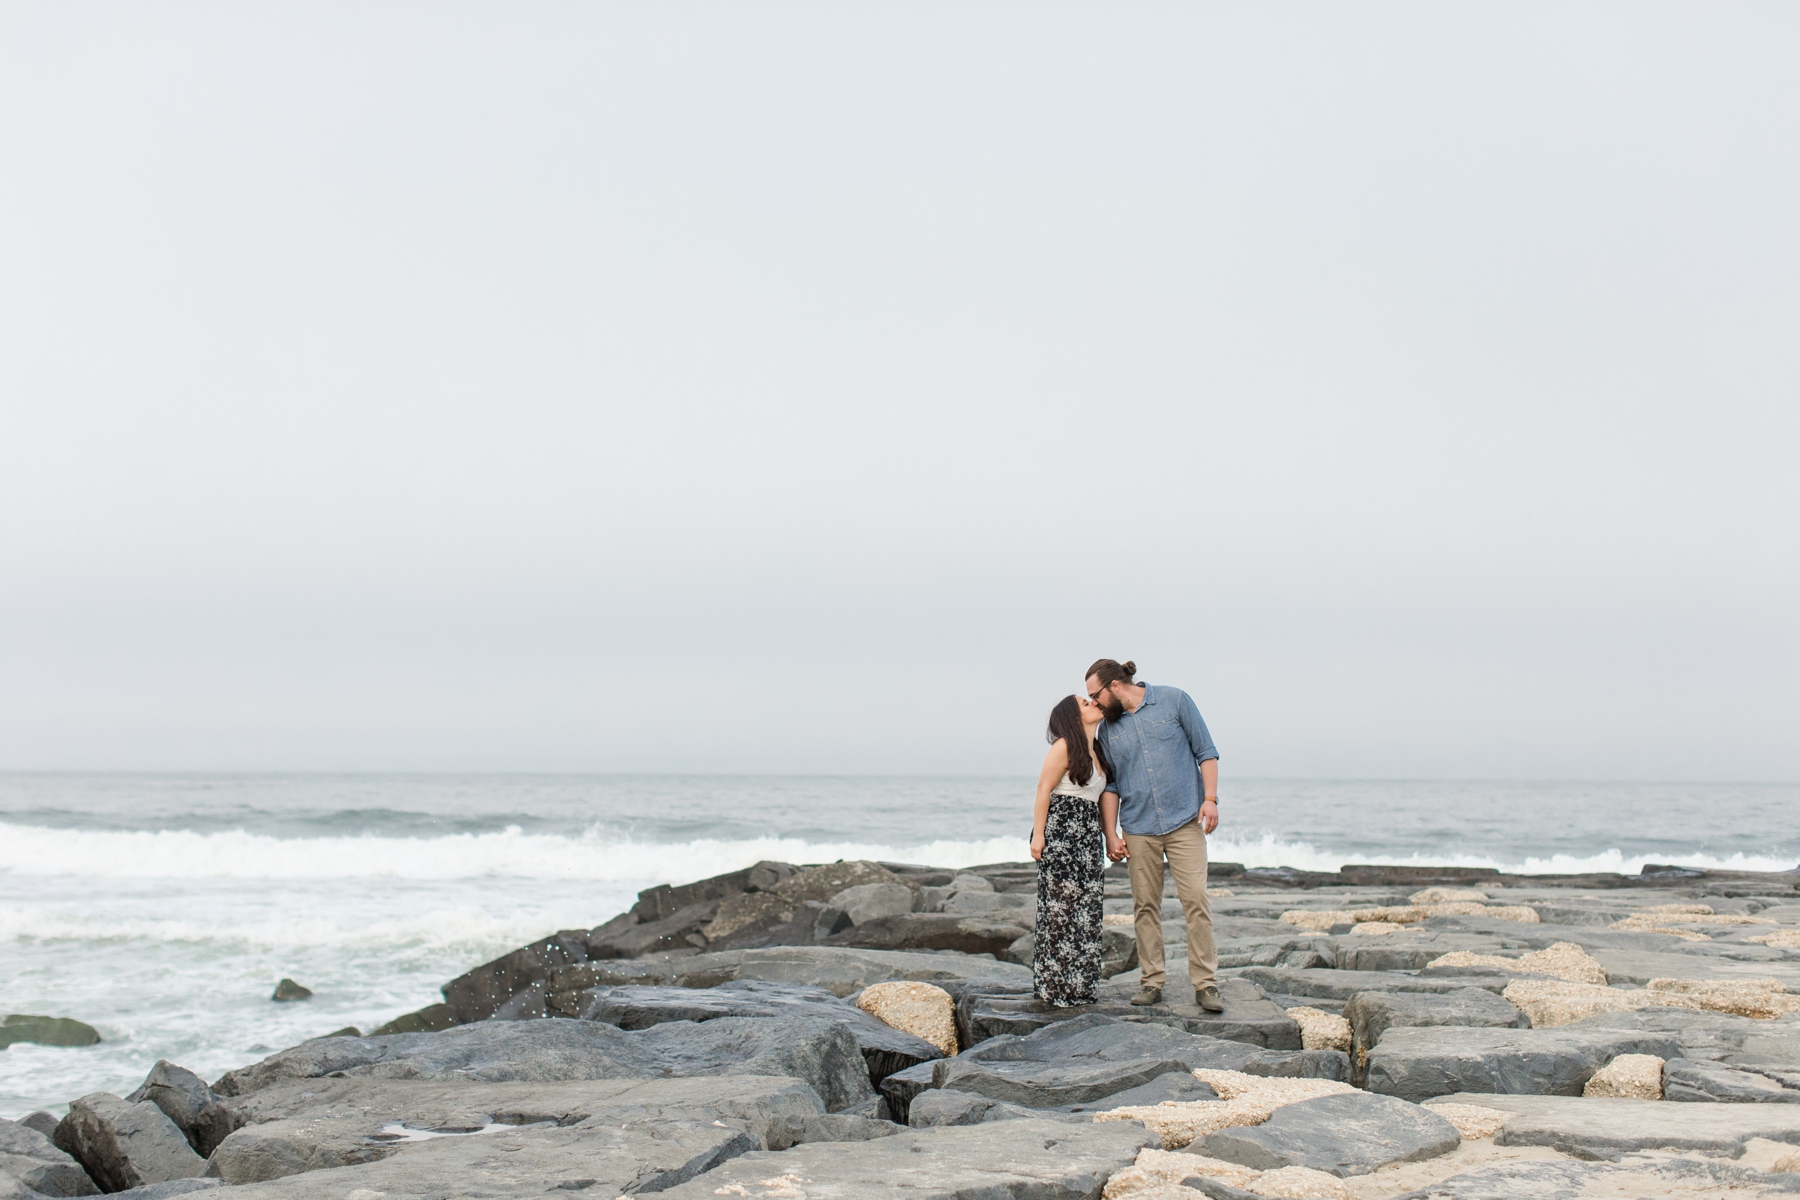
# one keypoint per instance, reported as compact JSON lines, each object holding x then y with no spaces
{"x":602,"y":857}
{"x":465,"y":927}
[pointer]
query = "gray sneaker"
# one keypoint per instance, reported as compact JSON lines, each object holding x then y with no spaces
{"x":1147,"y":996}
{"x":1208,"y":998}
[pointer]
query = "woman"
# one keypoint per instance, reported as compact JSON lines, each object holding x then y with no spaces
{"x":1066,"y":841}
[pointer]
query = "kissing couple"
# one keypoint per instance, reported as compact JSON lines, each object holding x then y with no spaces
{"x":1130,"y":758}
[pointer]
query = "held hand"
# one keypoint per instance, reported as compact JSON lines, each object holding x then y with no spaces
{"x":1209,"y":816}
{"x":1115,"y":848}
{"x":1037,"y":847}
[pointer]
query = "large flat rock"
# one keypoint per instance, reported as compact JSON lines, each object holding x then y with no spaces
{"x":1409,"y":950}
{"x":1698,"y":1080}
{"x":1641,"y":966}
{"x":1583,"y":1180}
{"x":1086,"y":1058}
{"x":1711,"y":1035}
{"x":1017,"y":1160}
{"x":840,"y":970}
{"x":1417,"y":1063}
{"x":1589,"y":1127}
{"x":822,"y":1053}
{"x":1350,"y":1134}
{"x":592,"y":1158}
{"x":884,"y":1048}
{"x":1372,"y":1014}
{"x":1249,"y":1016}
{"x":311,"y":1125}
{"x":1332,"y":984}
{"x":1050,"y":1084}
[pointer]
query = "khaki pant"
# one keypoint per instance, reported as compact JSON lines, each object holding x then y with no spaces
{"x":1185,"y":849}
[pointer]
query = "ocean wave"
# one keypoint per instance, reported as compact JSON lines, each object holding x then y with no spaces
{"x":600,"y":856}
{"x":1270,"y":851}
{"x":595,"y":856}
{"x":466,"y":928}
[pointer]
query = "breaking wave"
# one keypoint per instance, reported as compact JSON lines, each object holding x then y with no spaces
{"x":601,"y":856}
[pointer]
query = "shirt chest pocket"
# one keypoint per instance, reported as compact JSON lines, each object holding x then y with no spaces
{"x":1163,"y":732}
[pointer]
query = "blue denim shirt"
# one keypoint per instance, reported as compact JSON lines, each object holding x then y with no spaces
{"x":1156,"y":754}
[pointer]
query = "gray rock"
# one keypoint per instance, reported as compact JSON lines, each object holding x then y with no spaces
{"x":1018,"y":1160}
{"x":841,"y":1127}
{"x":477,"y":995}
{"x":1351,"y":1134}
{"x":1018,"y":907}
{"x":43,"y":1122}
{"x":1592,"y":1127}
{"x":320,"y":1125}
{"x":822,"y":1053}
{"x":1118,"y":951}
{"x":1412,"y":951}
{"x":173,"y":1188}
{"x":1178,"y":1086}
{"x":527,"y":1004}
{"x":1710,"y":1035}
{"x":287,"y":990}
{"x":1049,"y":1084}
{"x":1372,"y":1013}
{"x":1331,"y":984}
{"x":1566,"y":1180}
{"x":123,"y":1145}
{"x":1417,"y":1063}
{"x":970,"y":883}
{"x":884,"y":1048}
{"x":665,"y":900}
{"x":680,"y":930}
{"x":867,"y":901}
{"x":589,"y":1157}
{"x":839,"y":970}
{"x":985,"y":934}
{"x":33,"y":1160}
{"x":186,"y":1100}
{"x":1249,"y":1017}
{"x":46,"y":1031}
{"x":429,"y":1019}
{"x":1698,"y":1080}
{"x":901,"y":1088}
{"x":939,"y":1107}
{"x":1086,"y":1058}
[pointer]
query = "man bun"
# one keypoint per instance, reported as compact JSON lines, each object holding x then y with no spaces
{"x":1109,"y":670}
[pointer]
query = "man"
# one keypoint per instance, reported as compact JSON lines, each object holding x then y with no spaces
{"x":1166,"y":774}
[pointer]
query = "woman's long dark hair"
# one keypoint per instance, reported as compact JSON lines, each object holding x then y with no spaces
{"x":1065,"y":723}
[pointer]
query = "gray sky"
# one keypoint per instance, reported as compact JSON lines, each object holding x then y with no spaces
{"x":820,"y":388}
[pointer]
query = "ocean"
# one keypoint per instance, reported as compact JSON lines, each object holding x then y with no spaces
{"x":163,"y":909}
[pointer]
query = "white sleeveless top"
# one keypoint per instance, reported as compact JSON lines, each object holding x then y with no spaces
{"x":1092,"y":790}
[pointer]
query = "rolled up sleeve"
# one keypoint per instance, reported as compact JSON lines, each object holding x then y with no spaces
{"x":1199,"y":739}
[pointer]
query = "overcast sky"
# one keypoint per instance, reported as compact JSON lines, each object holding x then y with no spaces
{"x":819,"y":388}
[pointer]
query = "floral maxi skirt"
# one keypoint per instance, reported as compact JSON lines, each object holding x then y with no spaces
{"x":1066,"y":960}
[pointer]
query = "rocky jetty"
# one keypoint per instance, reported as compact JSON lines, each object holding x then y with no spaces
{"x":862,"y":1029}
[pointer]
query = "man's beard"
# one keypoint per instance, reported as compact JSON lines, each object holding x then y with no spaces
{"x":1112,"y":708}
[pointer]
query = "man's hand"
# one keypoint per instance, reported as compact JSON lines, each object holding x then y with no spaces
{"x":1115,"y":848}
{"x":1209,"y":815}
